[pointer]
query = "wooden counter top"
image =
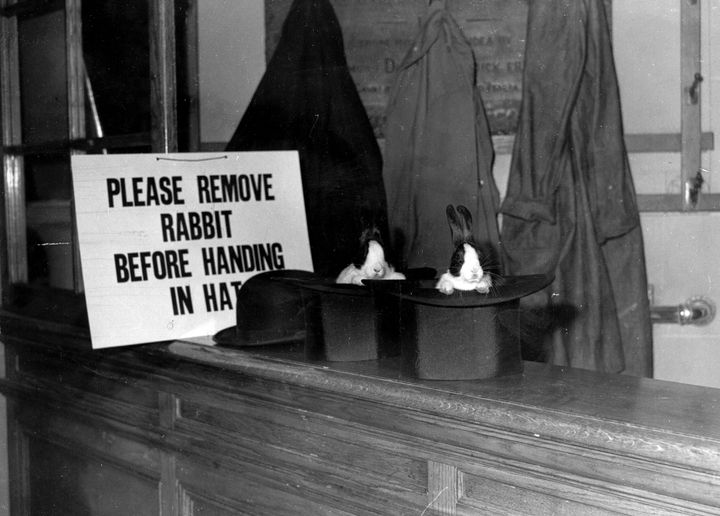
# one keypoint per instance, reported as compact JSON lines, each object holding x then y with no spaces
{"x":637,"y":416}
{"x":187,"y":429}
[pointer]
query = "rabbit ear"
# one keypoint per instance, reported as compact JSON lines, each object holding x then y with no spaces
{"x":365,"y":220}
{"x":456,"y":225}
{"x":466,"y":223}
{"x":367,"y":234}
{"x":370,"y":233}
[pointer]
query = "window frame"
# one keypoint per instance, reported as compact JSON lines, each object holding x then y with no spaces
{"x":14,"y":291}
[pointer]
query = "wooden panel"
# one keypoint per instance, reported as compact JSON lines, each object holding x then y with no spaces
{"x":63,"y":483}
{"x":511,"y":491}
{"x":443,"y":488}
{"x":311,"y":451}
{"x":664,"y":142}
{"x":94,"y":439}
{"x":198,"y":505}
{"x":77,"y":386}
{"x":490,"y":496}
{"x":48,"y":371}
{"x":98,"y":465}
{"x":269,"y":432}
{"x":674,"y":202}
{"x":211,"y":490}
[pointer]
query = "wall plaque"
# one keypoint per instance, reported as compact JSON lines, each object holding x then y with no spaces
{"x":378,"y":33}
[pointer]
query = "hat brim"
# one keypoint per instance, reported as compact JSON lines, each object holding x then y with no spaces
{"x":504,"y":289}
{"x":330,"y":286}
{"x":232,"y":336}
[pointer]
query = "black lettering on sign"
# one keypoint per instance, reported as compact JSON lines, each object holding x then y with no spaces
{"x":242,"y":258}
{"x":219,"y":296}
{"x":181,"y":298}
{"x":203,"y":225}
{"x":235,"y":188}
{"x":144,"y":265}
{"x":144,"y":191}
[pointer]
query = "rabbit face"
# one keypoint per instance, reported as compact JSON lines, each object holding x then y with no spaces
{"x":471,"y":270}
{"x":375,"y":266}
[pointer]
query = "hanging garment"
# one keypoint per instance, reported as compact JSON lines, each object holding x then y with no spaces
{"x":570,"y":206}
{"x":307,"y":101}
{"x":438,"y":149}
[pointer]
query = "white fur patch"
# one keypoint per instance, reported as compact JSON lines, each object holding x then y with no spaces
{"x":471,"y":269}
{"x":375,"y":267}
{"x":472,"y":276}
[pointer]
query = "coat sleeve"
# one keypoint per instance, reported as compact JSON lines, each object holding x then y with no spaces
{"x":571,"y":118}
{"x":552,"y":75}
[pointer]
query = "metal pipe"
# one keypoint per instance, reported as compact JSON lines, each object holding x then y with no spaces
{"x":698,"y":311}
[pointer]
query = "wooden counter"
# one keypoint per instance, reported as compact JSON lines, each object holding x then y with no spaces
{"x":181,"y":428}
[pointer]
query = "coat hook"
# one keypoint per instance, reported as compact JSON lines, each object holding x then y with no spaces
{"x":693,"y":187}
{"x":694,"y":87}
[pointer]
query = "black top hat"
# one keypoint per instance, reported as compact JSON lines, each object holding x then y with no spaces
{"x":269,"y":310}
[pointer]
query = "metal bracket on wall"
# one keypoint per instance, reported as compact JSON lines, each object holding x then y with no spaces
{"x":693,"y":186}
{"x":697,"y":310}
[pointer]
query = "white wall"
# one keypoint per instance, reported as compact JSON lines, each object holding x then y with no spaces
{"x":681,"y":248}
{"x":231,"y":62}
{"x":682,"y":263}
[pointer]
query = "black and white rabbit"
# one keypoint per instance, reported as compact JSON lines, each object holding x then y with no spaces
{"x":465,"y":272}
{"x":370,"y":261}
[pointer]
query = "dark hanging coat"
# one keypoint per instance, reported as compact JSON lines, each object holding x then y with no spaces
{"x":308,"y":101}
{"x":438,"y":149}
{"x":570,"y":206}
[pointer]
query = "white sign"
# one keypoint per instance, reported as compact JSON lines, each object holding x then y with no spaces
{"x":166,"y":240}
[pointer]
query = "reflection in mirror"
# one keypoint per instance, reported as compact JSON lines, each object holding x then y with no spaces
{"x":42,"y":65}
{"x":116,"y":54}
{"x":115,"y":105}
